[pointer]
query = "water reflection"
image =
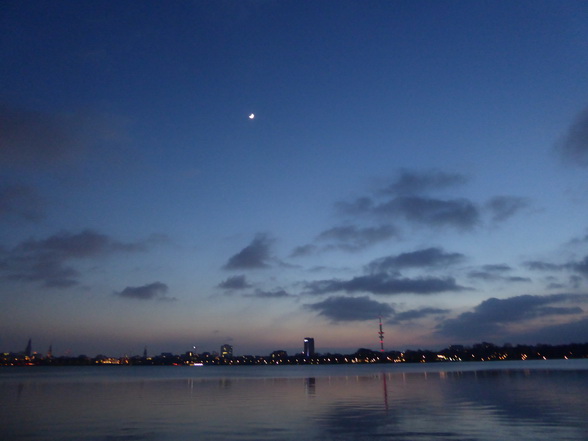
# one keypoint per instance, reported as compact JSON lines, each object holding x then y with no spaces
{"x":487,"y":405}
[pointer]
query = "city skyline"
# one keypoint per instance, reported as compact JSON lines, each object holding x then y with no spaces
{"x":250,"y":173}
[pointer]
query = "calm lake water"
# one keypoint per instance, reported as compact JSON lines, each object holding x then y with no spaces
{"x":531,"y":400}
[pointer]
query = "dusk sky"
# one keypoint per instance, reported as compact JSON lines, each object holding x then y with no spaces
{"x":422,"y":161}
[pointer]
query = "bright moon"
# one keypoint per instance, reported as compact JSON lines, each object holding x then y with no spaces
{"x":252,"y":116}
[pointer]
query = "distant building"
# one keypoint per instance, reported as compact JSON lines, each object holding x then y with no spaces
{"x":279,"y":355}
{"x":226,"y":351}
{"x":308,"y":347}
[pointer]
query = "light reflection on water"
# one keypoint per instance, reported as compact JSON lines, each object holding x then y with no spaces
{"x":505,"y":402}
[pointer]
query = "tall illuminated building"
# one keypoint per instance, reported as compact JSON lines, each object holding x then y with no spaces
{"x":226,"y":351}
{"x":308,"y":347}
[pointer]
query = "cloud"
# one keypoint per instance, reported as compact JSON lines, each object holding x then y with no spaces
{"x":426,"y":258}
{"x":20,"y":202}
{"x":37,"y":138}
{"x":504,"y":207}
{"x":339,"y":309}
{"x":461,"y":213}
{"x":457,"y":213}
{"x":276,"y":294}
{"x":415,"y":314}
{"x":496,"y":273}
{"x":496,"y":268}
{"x":537,"y":265}
{"x":304,"y":250}
{"x":573,"y":332}
{"x":386,"y":284}
{"x":580,"y":266}
{"x":347,"y":238}
{"x":253,"y":256}
{"x":152,"y":291}
{"x":46,"y":261}
{"x":411,"y":182}
{"x":235,"y":282}
{"x":408,"y":198}
{"x":573,"y":148}
{"x":352,"y":238}
{"x":491,"y":318}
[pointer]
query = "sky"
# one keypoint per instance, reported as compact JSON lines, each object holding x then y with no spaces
{"x":425,"y":162}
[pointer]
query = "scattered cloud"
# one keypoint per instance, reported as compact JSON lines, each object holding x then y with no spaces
{"x":408,"y":198}
{"x":235,"y":283}
{"x":254,"y":256}
{"x":461,"y":213}
{"x":347,"y":238}
{"x":304,"y":250}
{"x":20,"y":202}
{"x":340,"y":309}
{"x":504,"y":207}
{"x":426,"y":258}
{"x":36,"y":138}
{"x":152,"y":291}
{"x":536,"y":265}
{"x":415,"y":314}
{"x":411,"y":182}
{"x":48,"y":260}
{"x":490,"y":319}
{"x":386,"y":284}
{"x":573,"y":148}
{"x":457,"y":213}
{"x":580,"y":266}
{"x":496,"y":273}
{"x":276,"y":294}
{"x":352,"y":238}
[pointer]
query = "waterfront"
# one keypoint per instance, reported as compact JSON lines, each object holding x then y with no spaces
{"x":533,"y":400}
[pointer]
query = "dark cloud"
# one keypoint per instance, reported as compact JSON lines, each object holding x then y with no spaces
{"x":352,"y":238}
{"x":234,"y":283}
{"x":411,"y":182}
{"x":504,"y":207}
{"x":48,"y":260}
{"x":495,"y":273}
{"x":415,"y":314}
{"x":408,"y":199}
{"x":580,"y":266}
{"x":426,"y":258}
{"x":491,"y":317}
{"x":152,"y":291}
{"x":496,"y":268}
{"x":575,"y":281}
{"x":37,"y":138}
{"x":457,"y":213}
{"x":537,"y":265}
{"x":254,"y":256}
{"x":339,"y":309}
{"x":276,"y":294}
{"x":363,"y":205}
{"x":20,"y":202}
{"x":88,"y":243}
{"x":564,"y":333}
{"x":573,"y":148}
{"x":383,"y":283}
{"x":304,"y":250}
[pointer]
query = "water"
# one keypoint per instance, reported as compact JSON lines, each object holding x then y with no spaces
{"x":531,"y":400}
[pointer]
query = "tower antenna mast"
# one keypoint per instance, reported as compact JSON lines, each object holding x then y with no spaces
{"x":381,"y":335}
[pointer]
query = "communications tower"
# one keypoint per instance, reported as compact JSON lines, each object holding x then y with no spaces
{"x":381,"y":335}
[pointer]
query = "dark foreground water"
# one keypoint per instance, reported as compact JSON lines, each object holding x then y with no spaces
{"x":531,"y":400}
